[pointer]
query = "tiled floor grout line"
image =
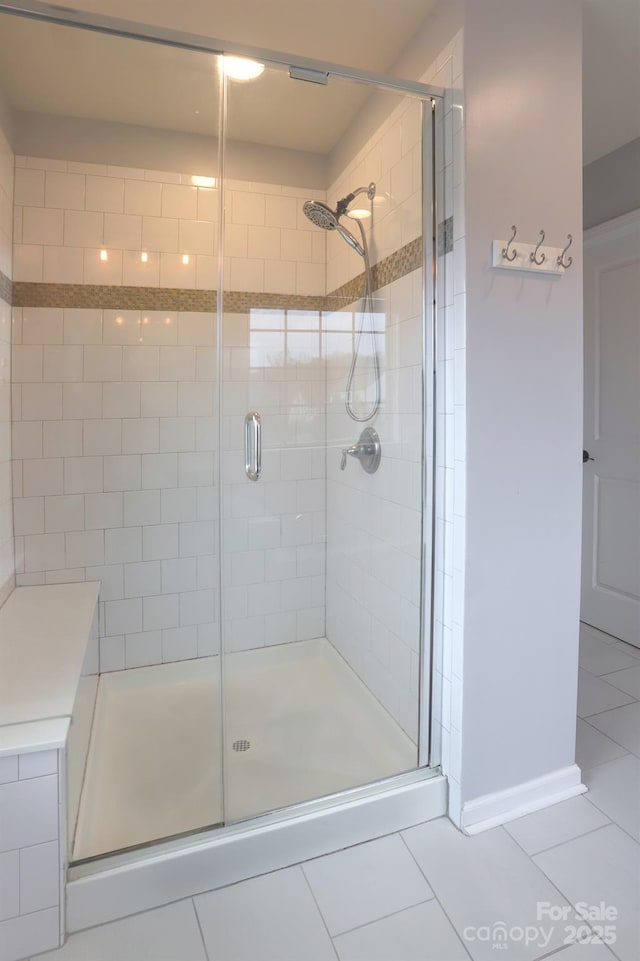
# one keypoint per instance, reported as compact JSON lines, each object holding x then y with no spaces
{"x":592,"y":767}
{"x":591,"y":627}
{"x":197,"y":916}
{"x":622,"y":670}
{"x":585,"y":717}
{"x":553,"y":883}
{"x":625,"y":749}
{"x":435,"y":894}
{"x":319,"y":909}
{"x":634,"y":653}
{"x":383,"y":917}
{"x":613,"y":686}
{"x":602,"y":677}
{"x":537,"y":866}
{"x":552,"y":847}
{"x":556,"y":953}
{"x":612,"y":821}
{"x":568,"y":899}
{"x":134,"y":914}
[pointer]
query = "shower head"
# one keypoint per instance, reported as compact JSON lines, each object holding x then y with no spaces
{"x":320,"y":214}
{"x":327,"y":219}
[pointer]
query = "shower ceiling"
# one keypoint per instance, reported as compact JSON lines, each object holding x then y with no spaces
{"x":78,"y":73}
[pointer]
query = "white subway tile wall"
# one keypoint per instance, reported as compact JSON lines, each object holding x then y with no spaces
{"x":374,"y":522}
{"x":31,"y":855}
{"x":100,"y":447}
{"x":366,"y":539}
{"x":7,"y":565}
{"x":115,"y":413}
{"x":125,"y":229}
{"x":274,"y":531}
{"x":392,"y":159}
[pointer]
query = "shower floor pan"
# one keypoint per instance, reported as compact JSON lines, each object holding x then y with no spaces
{"x":299,"y":724}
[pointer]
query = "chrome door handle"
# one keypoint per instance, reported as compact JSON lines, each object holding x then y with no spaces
{"x":253,"y":445}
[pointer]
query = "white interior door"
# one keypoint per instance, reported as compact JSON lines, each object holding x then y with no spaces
{"x":611,"y":504}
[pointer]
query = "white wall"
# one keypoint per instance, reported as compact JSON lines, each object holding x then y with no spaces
{"x":6,"y":268}
{"x":124,"y":144}
{"x":524,"y":396}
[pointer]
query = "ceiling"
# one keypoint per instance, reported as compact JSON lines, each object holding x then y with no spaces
{"x":368,"y":34}
{"x":79,"y":73}
{"x":87,"y":75}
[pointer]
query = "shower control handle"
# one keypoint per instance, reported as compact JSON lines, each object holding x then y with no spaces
{"x":253,"y":445}
{"x":353,"y":451}
{"x":367,"y":451}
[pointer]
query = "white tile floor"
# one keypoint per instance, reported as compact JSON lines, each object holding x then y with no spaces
{"x":431,"y":894}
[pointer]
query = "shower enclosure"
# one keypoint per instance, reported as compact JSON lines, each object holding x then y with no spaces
{"x":225,"y":344}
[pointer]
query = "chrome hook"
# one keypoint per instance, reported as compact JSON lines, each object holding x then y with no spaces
{"x":505,"y":250}
{"x":560,"y":260}
{"x":533,"y":257}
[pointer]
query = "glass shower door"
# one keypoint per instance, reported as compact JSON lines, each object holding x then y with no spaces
{"x":121,"y":313}
{"x":322,"y":453}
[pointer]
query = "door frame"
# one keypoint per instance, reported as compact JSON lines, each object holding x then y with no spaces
{"x":609,"y":227}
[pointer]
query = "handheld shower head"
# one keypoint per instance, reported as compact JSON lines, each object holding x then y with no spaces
{"x":324,"y":217}
{"x":350,"y":239}
{"x":320,"y":214}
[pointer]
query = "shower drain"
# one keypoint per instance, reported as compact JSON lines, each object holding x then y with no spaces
{"x":241,"y":745}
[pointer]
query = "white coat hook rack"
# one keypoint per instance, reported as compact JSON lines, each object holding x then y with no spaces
{"x":532,"y":258}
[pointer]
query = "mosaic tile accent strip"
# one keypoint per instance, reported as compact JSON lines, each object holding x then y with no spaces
{"x":396,"y":265}
{"x":5,"y":289}
{"x":445,"y":236}
{"x":112,"y":297}
{"x":240,"y":302}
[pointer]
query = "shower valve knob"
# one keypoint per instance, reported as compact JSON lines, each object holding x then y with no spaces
{"x":367,"y":451}
{"x":353,"y":451}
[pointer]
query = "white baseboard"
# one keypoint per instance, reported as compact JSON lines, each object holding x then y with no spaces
{"x":244,"y":851}
{"x":489,"y":811}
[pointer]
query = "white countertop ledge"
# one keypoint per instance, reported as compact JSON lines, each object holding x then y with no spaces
{"x":43,"y":641}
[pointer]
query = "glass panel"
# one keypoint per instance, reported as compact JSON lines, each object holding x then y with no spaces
{"x":322,"y":338}
{"x":115,"y":242}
